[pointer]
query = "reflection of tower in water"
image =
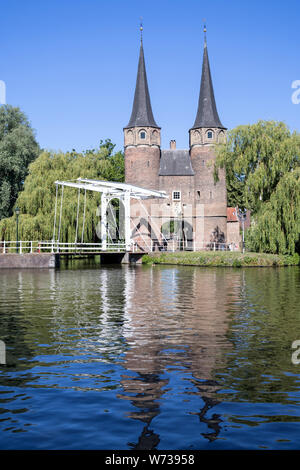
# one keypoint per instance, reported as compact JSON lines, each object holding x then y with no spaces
{"x":145,"y":388}
{"x":177,"y":320}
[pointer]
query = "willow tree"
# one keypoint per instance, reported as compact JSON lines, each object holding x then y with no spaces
{"x":262,"y":173}
{"x":276,"y":227}
{"x":37,"y":201}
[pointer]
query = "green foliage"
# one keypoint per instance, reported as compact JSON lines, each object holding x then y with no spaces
{"x":292,"y":260}
{"x":37,"y":201}
{"x":221,"y":258}
{"x":276,"y":227}
{"x":262,"y":174}
{"x":18,"y":148}
{"x":237,"y":263}
{"x":147,"y":259}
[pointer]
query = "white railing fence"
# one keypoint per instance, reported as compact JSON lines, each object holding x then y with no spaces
{"x":181,"y":245}
{"x":137,"y":246}
{"x":57,"y":247}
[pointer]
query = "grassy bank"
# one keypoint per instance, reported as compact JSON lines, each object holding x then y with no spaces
{"x":221,"y":258}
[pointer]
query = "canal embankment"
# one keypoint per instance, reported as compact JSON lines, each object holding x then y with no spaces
{"x":221,"y":258}
{"x":29,"y":260}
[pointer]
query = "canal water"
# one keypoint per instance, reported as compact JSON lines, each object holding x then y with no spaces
{"x":160,"y":357}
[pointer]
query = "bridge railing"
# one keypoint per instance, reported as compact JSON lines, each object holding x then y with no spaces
{"x":136,"y":246}
{"x":173,"y":245}
{"x":57,"y":247}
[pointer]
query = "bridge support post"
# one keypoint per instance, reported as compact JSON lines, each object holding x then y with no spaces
{"x":126,"y":200}
{"x":104,"y":203}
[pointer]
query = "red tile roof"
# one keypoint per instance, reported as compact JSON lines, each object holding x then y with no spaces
{"x":232,"y":214}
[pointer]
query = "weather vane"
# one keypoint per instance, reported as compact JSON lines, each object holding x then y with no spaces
{"x":204,"y":30}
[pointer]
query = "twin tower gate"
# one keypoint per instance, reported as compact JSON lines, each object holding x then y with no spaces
{"x":109,"y":190}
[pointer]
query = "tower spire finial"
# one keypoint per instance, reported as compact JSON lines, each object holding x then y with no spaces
{"x":204,"y":30}
{"x":141,"y":29}
{"x":207,"y":114}
{"x":141,"y":115}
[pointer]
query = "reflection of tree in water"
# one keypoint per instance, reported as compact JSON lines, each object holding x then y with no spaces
{"x":19,"y":351}
{"x":13,"y":328}
{"x":264,"y":326}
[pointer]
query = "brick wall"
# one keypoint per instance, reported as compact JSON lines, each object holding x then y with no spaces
{"x":142,"y":166}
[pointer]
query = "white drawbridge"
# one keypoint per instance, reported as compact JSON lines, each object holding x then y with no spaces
{"x":109,"y":190}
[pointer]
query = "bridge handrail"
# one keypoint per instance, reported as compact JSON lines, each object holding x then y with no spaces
{"x":53,"y":246}
{"x":36,"y":246}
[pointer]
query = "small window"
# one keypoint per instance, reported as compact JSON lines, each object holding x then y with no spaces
{"x":198,"y":194}
{"x":148,"y":163}
{"x":209,"y":135}
{"x":143,"y":135}
{"x":203,"y":162}
{"x":176,"y":195}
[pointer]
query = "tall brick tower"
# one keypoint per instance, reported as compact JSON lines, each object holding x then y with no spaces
{"x":206,"y":132}
{"x":142,"y":135}
{"x":142,"y":157}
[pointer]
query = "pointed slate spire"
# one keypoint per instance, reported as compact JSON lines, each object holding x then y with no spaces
{"x":142,"y":115}
{"x":207,"y":114}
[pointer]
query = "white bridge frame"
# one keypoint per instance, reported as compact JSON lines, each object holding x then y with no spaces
{"x":109,"y":190}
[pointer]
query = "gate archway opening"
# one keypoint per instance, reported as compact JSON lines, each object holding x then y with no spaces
{"x":179,"y":232}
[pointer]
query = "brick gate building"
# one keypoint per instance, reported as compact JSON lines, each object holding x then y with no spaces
{"x":197,"y":206}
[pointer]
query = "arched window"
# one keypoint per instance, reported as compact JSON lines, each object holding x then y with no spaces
{"x":143,"y":135}
{"x":129,"y":137}
{"x":210,"y":134}
{"x":197,"y":137}
{"x":155,"y":137}
{"x":221,"y":136}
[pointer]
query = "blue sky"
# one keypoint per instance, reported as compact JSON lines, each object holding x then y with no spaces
{"x":71,"y":65}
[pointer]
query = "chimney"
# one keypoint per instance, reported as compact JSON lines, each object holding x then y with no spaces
{"x":172,"y":144}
